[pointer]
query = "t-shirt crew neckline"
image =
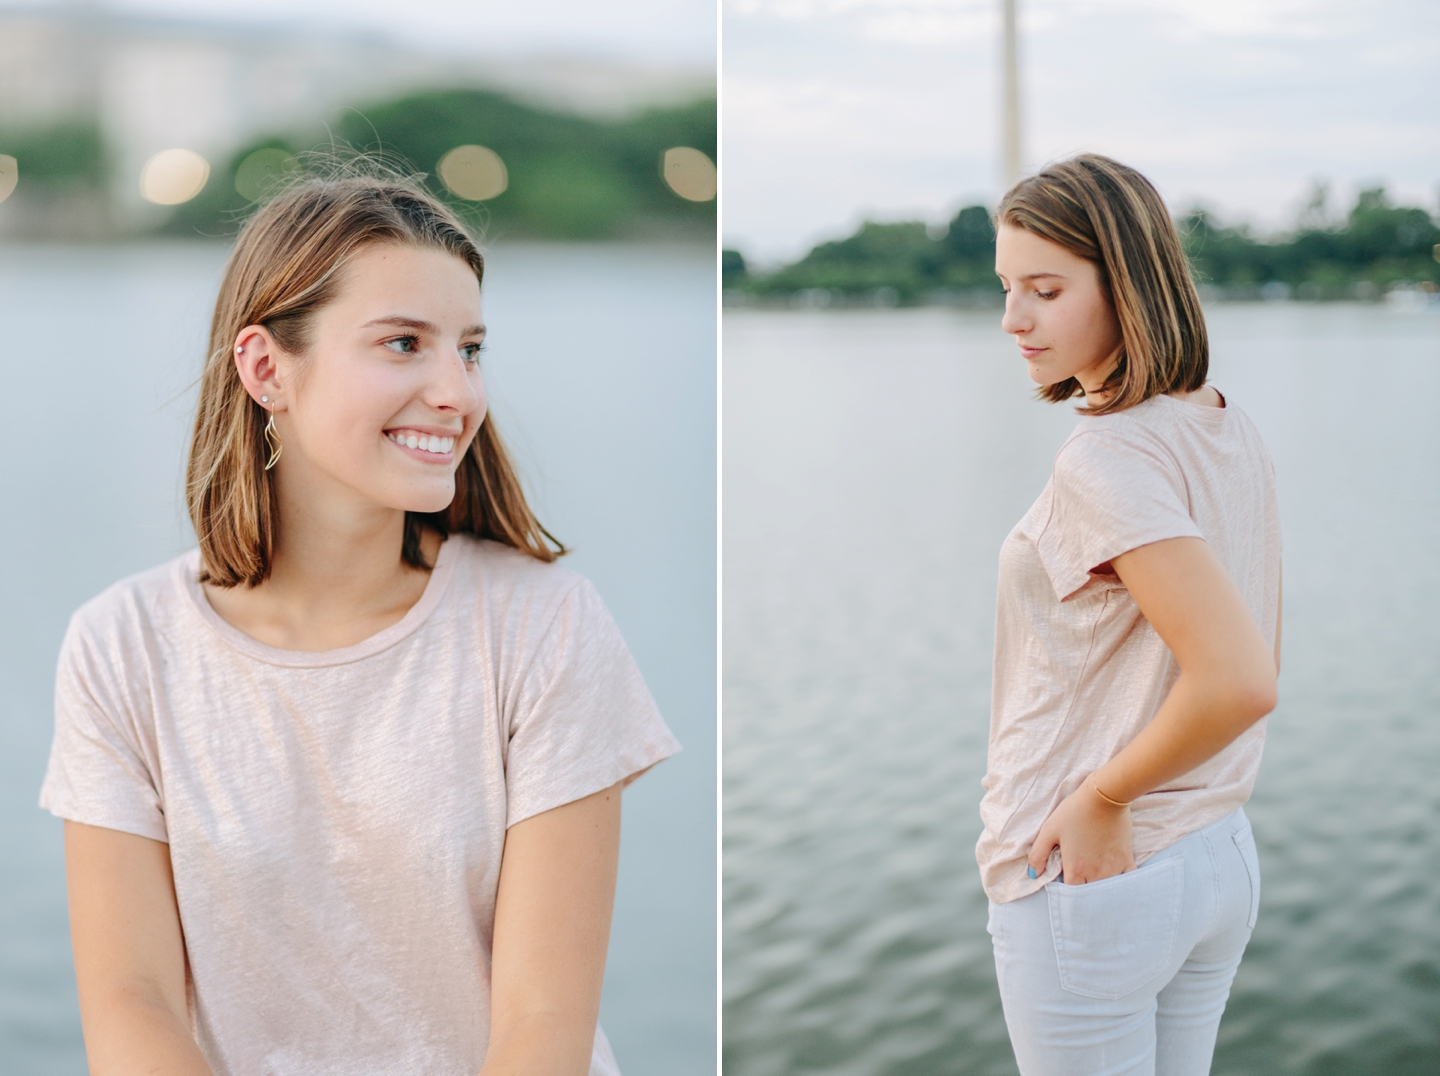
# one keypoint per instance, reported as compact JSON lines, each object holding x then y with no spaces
{"x":435,"y":588}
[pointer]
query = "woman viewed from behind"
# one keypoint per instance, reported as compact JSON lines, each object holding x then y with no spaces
{"x":1137,"y":649}
{"x":342,"y":786}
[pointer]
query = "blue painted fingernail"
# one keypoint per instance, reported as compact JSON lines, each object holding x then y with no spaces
{"x":1032,"y":872}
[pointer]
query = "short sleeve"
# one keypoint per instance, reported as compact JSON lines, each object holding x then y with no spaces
{"x":583,"y":718}
{"x":1110,"y":493}
{"x":100,"y":772}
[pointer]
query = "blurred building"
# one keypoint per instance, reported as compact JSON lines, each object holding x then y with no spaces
{"x":143,"y":84}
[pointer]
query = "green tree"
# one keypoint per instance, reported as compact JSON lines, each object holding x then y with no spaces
{"x":570,"y":177}
{"x":64,"y":155}
{"x":1376,"y":242}
{"x":733,"y":270}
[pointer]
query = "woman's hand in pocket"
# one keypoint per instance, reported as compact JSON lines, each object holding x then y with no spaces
{"x":1096,"y":839}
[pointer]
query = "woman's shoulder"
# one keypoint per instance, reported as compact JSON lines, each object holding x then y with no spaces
{"x":1152,"y":431}
{"x":117,"y":629}
{"x":523,"y":600}
{"x":1099,"y":442}
{"x":512,"y":576}
{"x":145,"y":596}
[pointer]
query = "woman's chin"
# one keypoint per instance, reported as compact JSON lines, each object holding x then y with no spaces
{"x":1046,"y":375}
{"x":425,"y":501}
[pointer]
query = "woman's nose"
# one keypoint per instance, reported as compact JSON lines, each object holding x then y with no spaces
{"x":453,"y":389}
{"x":1013,"y":321}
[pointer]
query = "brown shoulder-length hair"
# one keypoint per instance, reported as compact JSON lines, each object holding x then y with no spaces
{"x":1110,"y":214}
{"x":287,"y":265}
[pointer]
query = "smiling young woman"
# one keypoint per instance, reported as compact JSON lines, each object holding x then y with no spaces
{"x":1137,"y":649}
{"x":342,"y":786}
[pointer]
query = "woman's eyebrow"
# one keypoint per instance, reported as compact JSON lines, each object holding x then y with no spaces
{"x":1039,"y":276}
{"x":420,"y":325}
{"x":403,"y":322}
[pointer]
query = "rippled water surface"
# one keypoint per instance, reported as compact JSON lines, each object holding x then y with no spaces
{"x":873,"y":463}
{"x":602,"y":371}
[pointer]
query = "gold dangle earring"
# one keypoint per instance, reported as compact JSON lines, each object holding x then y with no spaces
{"x":272,"y":438}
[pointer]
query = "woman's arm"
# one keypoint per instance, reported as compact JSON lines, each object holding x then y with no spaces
{"x":1226,"y":684}
{"x":129,"y":955}
{"x":552,"y":926}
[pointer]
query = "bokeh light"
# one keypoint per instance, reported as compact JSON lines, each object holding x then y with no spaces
{"x":689,"y":173}
{"x":474,"y":173}
{"x":262,"y":172}
{"x":173,"y":176}
{"x":9,"y":175}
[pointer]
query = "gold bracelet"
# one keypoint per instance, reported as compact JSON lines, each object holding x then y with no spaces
{"x":1096,"y":789}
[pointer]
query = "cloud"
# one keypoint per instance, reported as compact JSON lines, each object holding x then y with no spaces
{"x":813,"y":9}
{"x":1218,"y":18}
{"x":930,"y":27}
{"x":908,"y":19}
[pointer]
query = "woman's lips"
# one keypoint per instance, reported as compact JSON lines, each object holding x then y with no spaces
{"x":1031,"y":352}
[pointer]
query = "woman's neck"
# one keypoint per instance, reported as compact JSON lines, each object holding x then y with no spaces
{"x":336,"y":578}
{"x":1093,"y":379}
{"x":1204,"y":396}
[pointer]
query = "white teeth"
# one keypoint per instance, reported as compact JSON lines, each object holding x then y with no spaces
{"x":423,"y":442}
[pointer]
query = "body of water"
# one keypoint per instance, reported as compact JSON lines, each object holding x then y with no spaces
{"x":602,"y":375}
{"x":874,"y":461}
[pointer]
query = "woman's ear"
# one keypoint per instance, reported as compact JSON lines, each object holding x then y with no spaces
{"x":255,"y":360}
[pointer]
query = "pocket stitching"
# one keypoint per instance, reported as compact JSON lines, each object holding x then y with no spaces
{"x":1252,"y":873}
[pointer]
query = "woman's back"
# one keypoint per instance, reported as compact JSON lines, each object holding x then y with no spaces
{"x":1161,"y":469}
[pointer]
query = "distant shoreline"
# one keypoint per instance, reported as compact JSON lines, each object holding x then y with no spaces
{"x":1377,"y":252}
{"x":1406,"y":297}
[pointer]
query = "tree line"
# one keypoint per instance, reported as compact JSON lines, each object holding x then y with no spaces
{"x":570,"y":176}
{"x":1375,"y":245}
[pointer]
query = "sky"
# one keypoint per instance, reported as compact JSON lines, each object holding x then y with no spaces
{"x":836,"y":111}
{"x":666,"y":31}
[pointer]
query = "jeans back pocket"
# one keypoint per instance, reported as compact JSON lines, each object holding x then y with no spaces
{"x":1114,"y":936}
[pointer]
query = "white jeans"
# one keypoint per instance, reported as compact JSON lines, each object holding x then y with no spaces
{"x":1128,"y":976}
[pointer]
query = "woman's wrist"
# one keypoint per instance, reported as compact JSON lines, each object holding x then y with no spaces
{"x":1112,"y":801}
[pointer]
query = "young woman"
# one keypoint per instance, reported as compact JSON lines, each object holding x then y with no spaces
{"x":342,"y":786}
{"x":1137,"y":648}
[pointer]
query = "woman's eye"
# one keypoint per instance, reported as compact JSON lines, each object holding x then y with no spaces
{"x":471,"y":353}
{"x":1047,"y":294}
{"x":405,"y":345}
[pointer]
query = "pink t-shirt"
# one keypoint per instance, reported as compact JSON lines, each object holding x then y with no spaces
{"x":1078,"y":670}
{"x":336,"y":819}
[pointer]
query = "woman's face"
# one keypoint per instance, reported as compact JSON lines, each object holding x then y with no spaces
{"x":389,"y":396}
{"x":1056,"y":309}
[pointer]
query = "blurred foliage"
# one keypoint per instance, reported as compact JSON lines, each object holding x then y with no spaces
{"x":570,"y":177}
{"x":908,"y":257}
{"x":67,"y":155}
{"x":1376,"y":244}
{"x":733,"y":269}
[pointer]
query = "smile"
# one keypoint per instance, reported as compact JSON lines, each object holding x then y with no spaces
{"x":440,"y":446}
